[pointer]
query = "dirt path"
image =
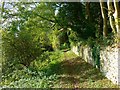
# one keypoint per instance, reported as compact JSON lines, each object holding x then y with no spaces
{"x":76,"y":73}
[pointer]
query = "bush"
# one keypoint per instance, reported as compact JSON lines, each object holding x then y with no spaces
{"x":29,"y":79}
{"x":47,"y":62}
{"x":20,"y":47}
{"x":40,"y":73}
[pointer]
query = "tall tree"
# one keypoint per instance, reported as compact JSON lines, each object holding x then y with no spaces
{"x":88,"y":15}
{"x":117,"y":18}
{"x":104,"y":16}
{"x":110,"y":14}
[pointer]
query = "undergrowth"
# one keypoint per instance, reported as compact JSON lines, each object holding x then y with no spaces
{"x":40,"y":74}
{"x":57,"y":70}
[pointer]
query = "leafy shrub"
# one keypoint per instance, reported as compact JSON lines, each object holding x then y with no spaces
{"x":40,"y":73}
{"x":21,"y":49}
{"x":55,"y":39}
{"x":64,"y":46}
{"x":47,"y":62}
{"x":29,"y":79}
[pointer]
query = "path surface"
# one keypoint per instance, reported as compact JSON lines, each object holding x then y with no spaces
{"x":76,"y":73}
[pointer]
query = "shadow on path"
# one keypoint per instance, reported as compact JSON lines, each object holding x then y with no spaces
{"x":76,"y":70}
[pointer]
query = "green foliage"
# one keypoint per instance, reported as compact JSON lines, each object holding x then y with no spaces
{"x":54,"y":39}
{"x":40,"y":74}
{"x":86,"y":76}
{"x":29,"y":79}
{"x":72,"y":15}
{"x":64,"y":46}
{"x":24,"y":40}
{"x":73,"y":38}
{"x":48,"y":62}
{"x":109,"y":40}
{"x":95,"y":45}
{"x":20,"y":49}
{"x":90,"y":42}
{"x":34,"y":31}
{"x":96,"y":55}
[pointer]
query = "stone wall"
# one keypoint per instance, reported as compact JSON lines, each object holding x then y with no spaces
{"x":109,"y":60}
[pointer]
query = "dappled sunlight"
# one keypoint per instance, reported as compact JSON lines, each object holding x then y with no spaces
{"x":41,"y":43}
{"x":76,"y":73}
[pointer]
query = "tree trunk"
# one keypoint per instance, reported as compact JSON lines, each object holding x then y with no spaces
{"x":100,"y":25}
{"x":104,"y":16}
{"x":117,"y":18}
{"x":88,"y":16}
{"x":110,"y":14}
